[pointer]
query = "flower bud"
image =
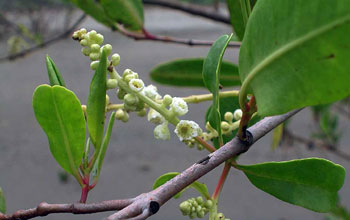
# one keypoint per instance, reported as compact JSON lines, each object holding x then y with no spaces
{"x":225,"y":127}
{"x":94,"y":65}
{"x":185,"y":208}
{"x":142,"y":112}
{"x":136,"y":85}
{"x":155,"y":117}
{"x":201,"y":214}
{"x":108,"y":49}
{"x":95,"y":48}
{"x":151,"y":92}
{"x":126,"y":117}
{"x":130,"y":99}
{"x":200,"y":200}
{"x":121,"y":93}
{"x":94,"y":56}
{"x":208,"y":204}
{"x":83,"y":43}
{"x":228,"y":116}
{"x":112,"y":83}
{"x":115,"y":59}
{"x":237,"y":115}
{"x":162,"y":131}
{"x":140,"y":105}
{"x":131,"y":76}
{"x":119,"y":114}
{"x":92,"y":34}
{"x":86,"y":51}
{"x":99,"y":39}
{"x":220,"y":216}
{"x":167,"y":100}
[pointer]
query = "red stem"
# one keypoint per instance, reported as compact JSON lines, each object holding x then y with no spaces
{"x":221,"y":182}
{"x":85,"y":189}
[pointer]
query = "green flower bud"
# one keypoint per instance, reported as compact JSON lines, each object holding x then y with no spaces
{"x":94,"y":65}
{"x":130,"y":99}
{"x":83,"y":30}
{"x":121,"y":93}
{"x":94,"y":56}
{"x":201,"y":214}
{"x":107,"y":99}
{"x":198,"y":208}
{"x":115,"y":59}
{"x":193,"y":214}
{"x":92,"y":34}
{"x":112,"y":83}
{"x":131,"y":76}
{"x":95,"y":48}
{"x":228,"y":116}
{"x":86,"y":51}
{"x":142,"y":113}
{"x":140,"y":105}
{"x":126,"y":117}
{"x":129,"y":107}
{"x":119,"y":114}
{"x":200,"y":200}
{"x":127,"y":72}
{"x":84,"y":43}
{"x":185,"y":208}
{"x":237,"y":115}
{"x":167,"y":100}
{"x":108,"y":49}
{"x":208,"y":204}
{"x":225,"y":126}
{"x":99,"y":39}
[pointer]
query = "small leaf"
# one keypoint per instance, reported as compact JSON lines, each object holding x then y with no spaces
{"x":53,"y":72}
{"x":312,"y":183}
{"x":95,"y":108}
{"x":200,"y":187}
{"x":95,"y":10}
{"x":236,"y":17}
{"x":211,"y":76}
{"x":277,"y":136}
{"x":188,"y":72}
{"x":127,"y":12}
{"x":2,"y":202}
{"x":295,"y":53}
{"x":101,"y":155}
{"x":59,"y":113}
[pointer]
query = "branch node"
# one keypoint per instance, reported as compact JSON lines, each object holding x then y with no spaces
{"x":247,"y":141}
{"x":41,"y":209}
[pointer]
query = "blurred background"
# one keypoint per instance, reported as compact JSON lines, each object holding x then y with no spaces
{"x":30,"y":29}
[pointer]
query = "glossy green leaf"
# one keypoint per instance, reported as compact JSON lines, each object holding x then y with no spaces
{"x":211,"y":76}
{"x":277,"y":135}
{"x":59,"y":113}
{"x":236,"y":18}
{"x":95,"y":108}
{"x":2,"y":202}
{"x":229,"y":104}
{"x":200,"y":187}
{"x":127,"y":12}
{"x":188,"y":72}
{"x":95,"y":10}
{"x":312,"y":183}
{"x":101,"y":155}
{"x":295,"y":53}
{"x":55,"y":77}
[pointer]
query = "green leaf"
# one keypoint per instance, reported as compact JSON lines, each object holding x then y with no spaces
{"x":127,"y":12}
{"x":312,"y":183}
{"x":211,"y":76}
{"x":59,"y":113}
{"x":277,"y":136}
{"x":200,"y":187}
{"x":295,"y":53}
{"x":2,"y":202}
{"x":53,"y":72}
{"x":188,"y":72}
{"x":236,"y":17}
{"x":101,"y":155}
{"x":95,"y":108}
{"x":95,"y":10}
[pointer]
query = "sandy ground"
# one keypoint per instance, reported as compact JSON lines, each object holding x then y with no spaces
{"x":29,"y":174}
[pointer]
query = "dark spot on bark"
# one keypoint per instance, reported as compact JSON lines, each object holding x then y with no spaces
{"x":204,"y":161}
{"x":154,"y":207}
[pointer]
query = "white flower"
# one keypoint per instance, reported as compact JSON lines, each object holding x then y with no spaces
{"x":237,"y":115}
{"x":155,"y":117}
{"x":151,"y":92}
{"x":186,"y":130}
{"x":179,"y":106}
{"x":162,"y":131}
{"x":136,"y":85}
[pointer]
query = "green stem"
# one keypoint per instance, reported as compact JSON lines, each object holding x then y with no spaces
{"x":244,"y":10}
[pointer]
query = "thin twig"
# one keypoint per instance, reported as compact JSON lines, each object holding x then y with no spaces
{"x":189,"y":42}
{"x":147,"y":204}
{"x":309,"y":142}
{"x":61,"y":36}
{"x":191,"y":9}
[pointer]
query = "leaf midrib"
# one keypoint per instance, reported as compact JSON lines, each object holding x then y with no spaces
{"x":65,"y":136}
{"x":286,"y":48}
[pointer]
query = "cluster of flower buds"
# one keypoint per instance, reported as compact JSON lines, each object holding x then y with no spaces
{"x":92,"y":47}
{"x":227,"y":126}
{"x":196,"y":207}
